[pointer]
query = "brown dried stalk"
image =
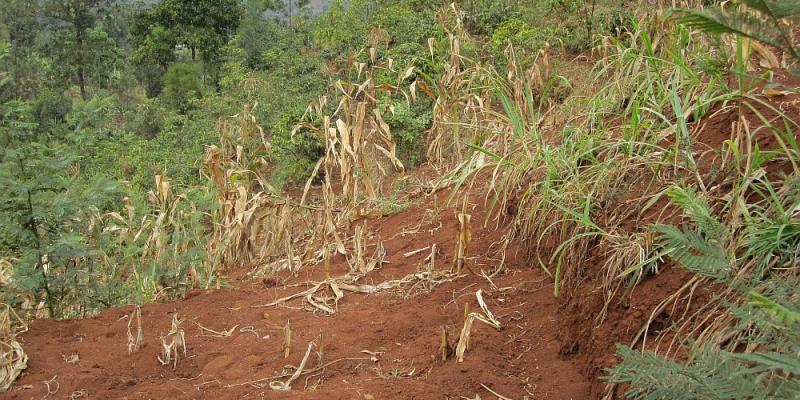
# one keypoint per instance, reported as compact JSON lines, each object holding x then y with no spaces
{"x":172,"y":342}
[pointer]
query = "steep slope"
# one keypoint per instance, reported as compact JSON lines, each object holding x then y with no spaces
{"x":381,"y":345}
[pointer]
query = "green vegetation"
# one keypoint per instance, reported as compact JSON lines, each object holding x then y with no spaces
{"x":145,"y":148}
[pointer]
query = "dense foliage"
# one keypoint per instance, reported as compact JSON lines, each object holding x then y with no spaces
{"x":101,"y":97}
{"x":116,"y":117}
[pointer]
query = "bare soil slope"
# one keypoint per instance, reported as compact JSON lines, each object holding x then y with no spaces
{"x":379,"y":346}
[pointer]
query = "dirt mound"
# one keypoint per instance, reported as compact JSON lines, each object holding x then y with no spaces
{"x":591,"y":341}
{"x":380,"y":346}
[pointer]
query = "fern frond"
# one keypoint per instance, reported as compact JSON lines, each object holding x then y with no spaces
{"x":782,"y":314}
{"x":694,"y":252}
{"x":695,"y":207}
{"x":710,"y":375}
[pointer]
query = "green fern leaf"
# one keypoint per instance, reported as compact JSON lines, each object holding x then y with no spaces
{"x":693,"y":252}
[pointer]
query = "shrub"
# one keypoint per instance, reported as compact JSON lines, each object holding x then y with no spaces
{"x":182,"y":85}
{"x":51,"y":108}
{"x":296,"y":155}
{"x":406,"y":26}
{"x":148,"y":119}
{"x":408,"y":124}
{"x":526,"y":39}
{"x":484,"y":16}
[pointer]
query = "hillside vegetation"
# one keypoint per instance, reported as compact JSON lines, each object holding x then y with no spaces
{"x":344,"y":163}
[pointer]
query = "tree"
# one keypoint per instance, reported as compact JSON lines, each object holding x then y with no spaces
{"x":19,"y":27}
{"x":78,"y":15}
{"x":154,"y":49}
{"x":43,"y":204}
{"x":198,"y":25}
{"x":289,"y":8}
{"x":254,"y":31}
{"x":201,"y":24}
{"x":18,"y":24}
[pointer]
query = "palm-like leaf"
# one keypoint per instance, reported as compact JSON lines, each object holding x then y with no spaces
{"x":778,"y":9}
{"x":760,"y":20}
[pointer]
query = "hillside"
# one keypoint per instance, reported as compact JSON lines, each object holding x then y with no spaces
{"x":233,"y":199}
{"x":374,"y":345}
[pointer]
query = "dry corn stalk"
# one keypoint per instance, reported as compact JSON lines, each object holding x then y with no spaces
{"x":13,"y":359}
{"x":284,"y":386}
{"x":239,"y":222}
{"x":460,"y":97}
{"x":168,"y":233}
{"x":135,"y":341}
{"x":462,"y":242}
{"x":361,"y":263}
{"x":240,"y":217}
{"x":172,"y":342}
{"x":342,"y":284}
{"x":5,"y":272}
{"x":287,"y":339}
{"x":355,"y":132}
{"x":487,"y":317}
{"x":526,"y":85}
{"x":252,"y":224}
{"x":444,"y":346}
{"x":355,"y":135}
{"x":166,"y":204}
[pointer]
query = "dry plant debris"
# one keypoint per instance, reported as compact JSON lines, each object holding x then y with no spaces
{"x":72,"y":358}
{"x":444,"y":346}
{"x":338,"y":286}
{"x":287,"y":339}
{"x":487,"y":317}
{"x":52,"y":386}
{"x":360,"y":263}
{"x":462,"y":242}
{"x":220,"y":334}
{"x":135,"y":341}
{"x":13,"y":359}
{"x":172,"y":342}
{"x":287,"y":385}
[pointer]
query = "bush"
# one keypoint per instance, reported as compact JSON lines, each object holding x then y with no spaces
{"x":526,"y":39}
{"x":296,"y":156}
{"x":51,"y":108}
{"x":343,"y":27}
{"x":406,"y":26}
{"x":182,"y":85}
{"x":148,"y":119}
{"x":484,"y":16}
{"x":44,"y":215}
{"x":408,"y":124}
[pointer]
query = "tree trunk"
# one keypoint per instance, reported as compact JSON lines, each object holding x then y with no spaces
{"x":33,"y":227}
{"x":590,"y":22}
{"x":193,"y":53}
{"x":81,"y":70}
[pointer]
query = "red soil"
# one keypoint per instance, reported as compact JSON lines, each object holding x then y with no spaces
{"x":591,"y":343}
{"x":547,"y":348}
{"x":519,"y":360}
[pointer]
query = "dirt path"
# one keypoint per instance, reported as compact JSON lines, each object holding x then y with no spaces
{"x":378,"y":346}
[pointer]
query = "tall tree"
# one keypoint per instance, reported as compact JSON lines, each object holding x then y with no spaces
{"x":154,"y":49}
{"x":254,"y":31}
{"x":78,"y":16}
{"x":19,"y":27}
{"x":291,"y":8}
{"x":201,"y":24}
